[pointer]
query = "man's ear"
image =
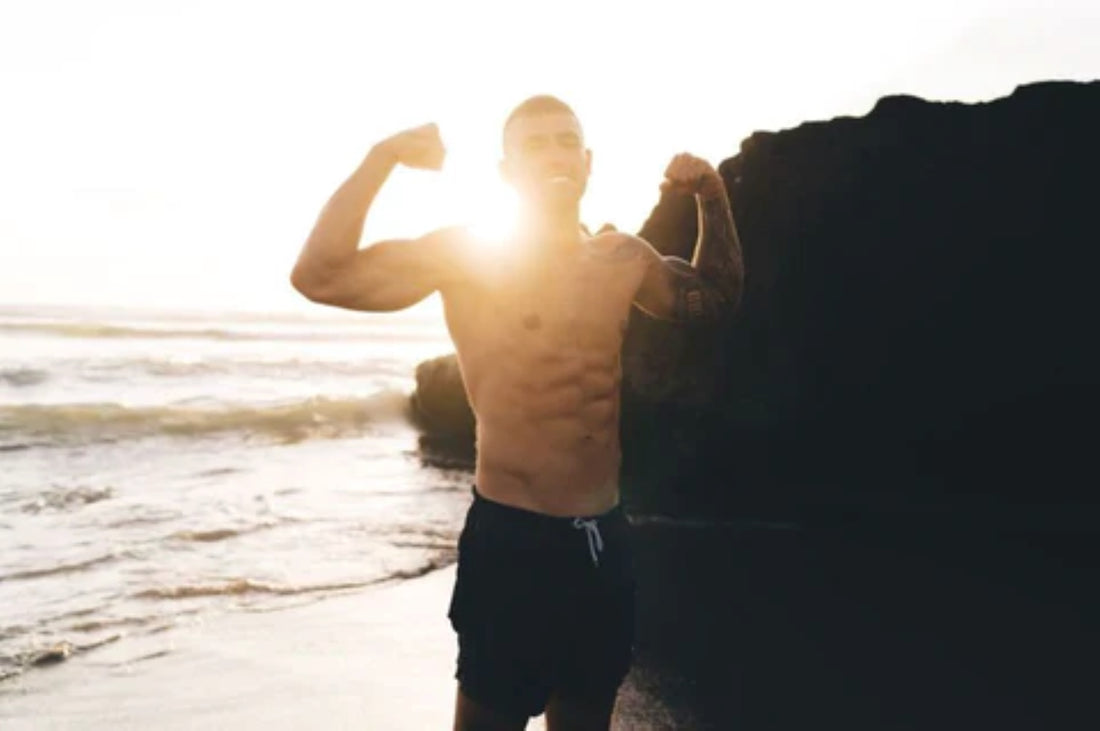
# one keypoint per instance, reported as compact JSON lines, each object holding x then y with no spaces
{"x":588,"y":162}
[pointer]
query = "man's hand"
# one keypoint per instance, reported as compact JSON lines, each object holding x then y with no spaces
{"x":419,"y":147}
{"x":692,"y":175}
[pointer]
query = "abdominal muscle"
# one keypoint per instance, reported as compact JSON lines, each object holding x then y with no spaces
{"x":556,"y":452}
{"x":547,"y":406}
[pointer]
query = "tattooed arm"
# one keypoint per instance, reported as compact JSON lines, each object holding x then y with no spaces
{"x":710,"y":287}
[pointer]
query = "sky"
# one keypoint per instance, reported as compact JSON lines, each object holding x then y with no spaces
{"x":169,"y":154}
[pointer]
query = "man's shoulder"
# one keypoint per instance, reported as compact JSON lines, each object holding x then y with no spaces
{"x":451,"y":236}
{"x":618,"y":246}
{"x":457,"y":245}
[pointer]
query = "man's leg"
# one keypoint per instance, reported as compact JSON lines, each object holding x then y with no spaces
{"x":574,"y":713}
{"x":501,"y":610}
{"x":472,"y":716}
{"x":599,"y":637}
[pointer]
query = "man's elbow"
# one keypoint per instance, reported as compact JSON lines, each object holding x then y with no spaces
{"x":311,"y":284}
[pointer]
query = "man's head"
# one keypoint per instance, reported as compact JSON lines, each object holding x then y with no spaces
{"x":545,"y":159}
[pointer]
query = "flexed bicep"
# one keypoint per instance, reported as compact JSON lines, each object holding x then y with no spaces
{"x":395,"y":274}
{"x":673,"y":290}
{"x":711,"y":287}
{"x":390,"y":275}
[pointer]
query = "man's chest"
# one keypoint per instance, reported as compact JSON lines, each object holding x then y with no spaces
{"x":580,"y":307}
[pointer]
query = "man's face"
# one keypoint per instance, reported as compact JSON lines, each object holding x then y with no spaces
{"x":545,"y":159}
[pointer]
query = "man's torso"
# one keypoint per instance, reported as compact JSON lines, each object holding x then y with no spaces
{"x":539,"y":348}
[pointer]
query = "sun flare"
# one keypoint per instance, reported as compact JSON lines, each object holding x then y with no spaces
{"x":491,"y":213}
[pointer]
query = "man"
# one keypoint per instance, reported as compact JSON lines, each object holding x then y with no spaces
{"x":543,"y":601}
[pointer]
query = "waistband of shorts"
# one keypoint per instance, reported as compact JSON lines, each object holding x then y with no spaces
{"x":542,"y":520}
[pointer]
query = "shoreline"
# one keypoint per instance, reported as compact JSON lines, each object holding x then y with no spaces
{"x":383,"y":656}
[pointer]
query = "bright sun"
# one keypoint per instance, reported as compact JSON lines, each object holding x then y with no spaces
{"x":491,"y":211}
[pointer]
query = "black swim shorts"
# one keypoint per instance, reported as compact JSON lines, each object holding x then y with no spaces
{"x":542,"y":605}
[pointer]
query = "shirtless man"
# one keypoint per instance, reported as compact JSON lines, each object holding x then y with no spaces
{"x":544,"y":597}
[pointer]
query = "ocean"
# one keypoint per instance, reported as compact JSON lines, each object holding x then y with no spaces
{"x":160,"y":467}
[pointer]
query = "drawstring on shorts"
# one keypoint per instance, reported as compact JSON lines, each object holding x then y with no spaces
{"x":595,"y":540}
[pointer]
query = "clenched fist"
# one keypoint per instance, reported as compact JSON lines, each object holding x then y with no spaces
{"x":419,"y":147}
{"x":692,"y":175}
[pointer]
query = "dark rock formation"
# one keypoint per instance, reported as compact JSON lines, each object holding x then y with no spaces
{"x":919,"y":293}
{"x":919,"y":319}
{"x":439,"y":404}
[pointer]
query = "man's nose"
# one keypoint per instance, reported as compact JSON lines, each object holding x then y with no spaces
{"x":559,"y":160}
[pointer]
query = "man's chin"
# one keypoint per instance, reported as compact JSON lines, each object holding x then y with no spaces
{"x":561,"y":191}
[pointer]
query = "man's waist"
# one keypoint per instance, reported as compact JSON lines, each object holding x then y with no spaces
{"x":565,"y":485}
{"x":540,"y":542}
{"x":535,"y":513}
{"x":532,"y":440}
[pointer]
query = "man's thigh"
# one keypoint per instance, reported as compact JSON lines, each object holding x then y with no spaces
{"x":501,"y":610}
{"x":473,"y":716}
{"x":579,"y":713}
{"x":510,"y":673}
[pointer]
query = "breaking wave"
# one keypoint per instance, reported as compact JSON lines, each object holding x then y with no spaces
{"x":241,"y":587}
{"x":67,"y":498}
{"x":213,"y":535}
{"x":22,"y":377}
{"x":67,"y":568}
{"x":93,"y":330}
{"x":315,"y":417}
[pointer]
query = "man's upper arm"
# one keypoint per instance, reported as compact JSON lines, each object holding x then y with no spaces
{"x":671,"y":289}
{"x":397,"y":273}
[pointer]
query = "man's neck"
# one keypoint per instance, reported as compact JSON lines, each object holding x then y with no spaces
{"x":552,"y":233}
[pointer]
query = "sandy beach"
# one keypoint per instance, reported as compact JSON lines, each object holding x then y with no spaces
{"x":380,"y":659}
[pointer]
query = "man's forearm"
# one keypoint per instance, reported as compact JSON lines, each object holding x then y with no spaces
{"x":335,"y":237}
{"x":718,"y":251}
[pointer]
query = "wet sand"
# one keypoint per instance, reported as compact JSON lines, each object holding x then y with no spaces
{"x":376,"y":659}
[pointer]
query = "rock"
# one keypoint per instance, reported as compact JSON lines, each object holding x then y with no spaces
{"x":52,"y":655}
{"x":919,"y":285}
{"x":439,"y":404}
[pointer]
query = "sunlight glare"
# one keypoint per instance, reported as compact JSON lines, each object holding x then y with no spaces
{"x":471,"y":192}
{"x":492,"y":214}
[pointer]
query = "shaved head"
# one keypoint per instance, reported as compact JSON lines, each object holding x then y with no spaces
{"x":539,"y":105}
